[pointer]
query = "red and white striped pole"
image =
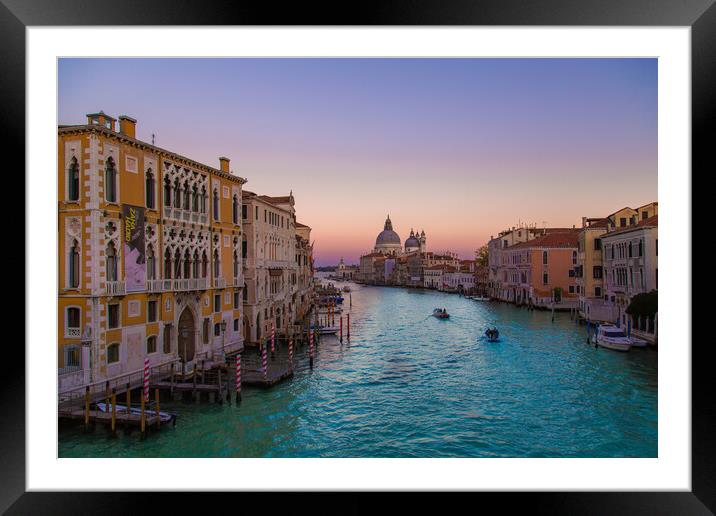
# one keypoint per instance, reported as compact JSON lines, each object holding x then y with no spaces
{"x":238,"y":378}
{"x":273,"y":339}
{"x":146,"y":380}
{"x":290,"y":353}
{"x":263,"y":360}
{"x":310,"y":347}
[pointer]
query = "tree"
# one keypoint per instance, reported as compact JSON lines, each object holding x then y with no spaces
{"x":645,"y":305}
{"x":482,"y":256}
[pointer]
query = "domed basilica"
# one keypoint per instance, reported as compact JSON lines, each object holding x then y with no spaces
{"x":388,"y":241}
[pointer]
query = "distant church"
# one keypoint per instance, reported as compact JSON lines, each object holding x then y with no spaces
{"x":388,"y":242}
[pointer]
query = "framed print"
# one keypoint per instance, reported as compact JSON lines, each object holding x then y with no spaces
{"x":413,"y":251}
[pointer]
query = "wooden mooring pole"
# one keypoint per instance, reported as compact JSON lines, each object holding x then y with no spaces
{"x":348,"y":321}
{"x":156,"y":397}
{"x":341,"y":330}
{"x":87,"y":405}
{"x":114,"y":413}
{"x":142,"y":420}
{"x":129,"y":408}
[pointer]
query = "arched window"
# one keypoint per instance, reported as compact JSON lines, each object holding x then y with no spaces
{"x":187,"y":196}
{"x":111,"y":258}
{"x":203,"y":199}
{"x":236,"y":264}
{"x":187,"y":264}
{"x":150,"y":189}
{"x":74,"y":265}
{"x":167,"y":265}
{"x":167,"y":192}
{"x":217,"y":265}
{"x":177,"y":264}
{"x":235,"y":210}
{"x":110,"y":180}
{"x":216,"y":204}
{"x":152,"y":344}
{"x":177,"y":194}
{"x":194,"y":199}
{"x":151,"y":263}
{"x":195,"y":265}
{"x":258,"y":326}
{"x":204,"y":265}
{"x":73,"y":178}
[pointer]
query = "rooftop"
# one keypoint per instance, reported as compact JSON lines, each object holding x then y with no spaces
{"x":562,"y":239}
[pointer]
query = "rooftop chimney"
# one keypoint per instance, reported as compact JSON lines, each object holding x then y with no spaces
{"x":224,"y":164}
{"x":128,"y":126}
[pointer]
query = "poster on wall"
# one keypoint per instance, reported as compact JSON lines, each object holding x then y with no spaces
{"x":135,"y":271}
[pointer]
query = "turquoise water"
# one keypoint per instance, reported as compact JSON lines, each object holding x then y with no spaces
{"x":410,"y":385}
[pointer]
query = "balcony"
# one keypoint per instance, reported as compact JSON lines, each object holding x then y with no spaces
{"x":184,"y":215}
{"x":115,"y":288}
{"x":155,"y":285}
{"x":219,"y":283}
{"x":188,"y":284}
{"x":72,"y":333}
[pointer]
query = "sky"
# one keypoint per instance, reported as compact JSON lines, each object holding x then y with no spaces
{"x":459,"y":148}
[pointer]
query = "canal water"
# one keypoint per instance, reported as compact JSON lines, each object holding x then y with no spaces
{"x":410,"y":385}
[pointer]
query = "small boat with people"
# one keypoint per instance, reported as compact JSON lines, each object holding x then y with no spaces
{"x":165,"y":417}
{"x":612,"y":337}
{"x":492,"y":334}
{"x":441,"y":313}
{"x":325,"y":330}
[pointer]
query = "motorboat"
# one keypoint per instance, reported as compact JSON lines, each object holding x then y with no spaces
{"x":637,"y":343}
{"x":165,"y":417}
{"x":612,"y":337}
{"x":441,"y":313}
{"x":492,"y":334}
{"x":480,"y":298}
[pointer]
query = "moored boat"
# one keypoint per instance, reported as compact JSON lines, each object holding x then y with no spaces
{"x":166,"y":417}
{"x":611,"y":337}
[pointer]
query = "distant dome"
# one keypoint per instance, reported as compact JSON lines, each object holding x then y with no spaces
{"x":387,"y":237}
{"x":412,"y":242}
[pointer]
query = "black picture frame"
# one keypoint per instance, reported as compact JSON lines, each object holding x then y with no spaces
{"x":700,"y":15}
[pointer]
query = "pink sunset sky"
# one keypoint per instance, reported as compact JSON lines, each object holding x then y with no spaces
{"x":461,"y":148}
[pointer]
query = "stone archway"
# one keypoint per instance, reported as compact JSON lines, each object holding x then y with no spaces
{"x":186,"y":335}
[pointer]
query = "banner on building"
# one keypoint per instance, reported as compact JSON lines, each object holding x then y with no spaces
{"x":135,"y":269}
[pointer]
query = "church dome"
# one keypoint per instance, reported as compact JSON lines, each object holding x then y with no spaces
{"x":387,"y":236}
{"x":412,"y":242}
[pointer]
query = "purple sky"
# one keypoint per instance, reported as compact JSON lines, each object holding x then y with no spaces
{"x":461,"y":148}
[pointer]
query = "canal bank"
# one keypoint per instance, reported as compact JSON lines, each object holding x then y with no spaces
{"x":410,"y":385}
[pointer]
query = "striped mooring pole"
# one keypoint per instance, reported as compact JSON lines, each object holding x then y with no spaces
{"x":348,"y":320}
{"x":310,"y":347}
{"x":273,"y":339}
{"x":290,"y":353}
{"x":146,"y":380}
{"x":263,"y":360}
{"x":238,"y":378}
